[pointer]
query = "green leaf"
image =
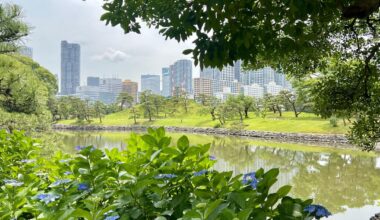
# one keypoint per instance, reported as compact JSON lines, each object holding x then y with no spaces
{"x":214,"y":209}
{"x":244,"y":215}
{"x":154,"y":155}
{"x":283,"y":191}
{"x":150,"y":140}
{"x":183,"y":143}
{"x":187,"y":51}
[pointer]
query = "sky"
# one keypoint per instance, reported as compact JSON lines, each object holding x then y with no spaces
{"x":105,"y":50}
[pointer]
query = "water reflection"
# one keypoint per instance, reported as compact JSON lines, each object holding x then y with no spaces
{"x":339,"y":180}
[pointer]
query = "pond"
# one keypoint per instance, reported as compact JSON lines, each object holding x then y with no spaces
{"x":347,"y":182}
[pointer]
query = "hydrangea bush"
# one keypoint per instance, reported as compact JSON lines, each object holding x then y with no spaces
{"x":149,"y":180}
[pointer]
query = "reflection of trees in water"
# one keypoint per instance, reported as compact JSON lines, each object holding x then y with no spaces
{"x":332,"y":179}
{"x":87,"y":139}
{"x":341,"y":180}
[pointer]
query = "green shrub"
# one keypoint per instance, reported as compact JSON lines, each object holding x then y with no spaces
{"x":149,"y":180}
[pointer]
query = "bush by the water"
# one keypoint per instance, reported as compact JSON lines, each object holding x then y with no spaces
{"x":149,"y":180}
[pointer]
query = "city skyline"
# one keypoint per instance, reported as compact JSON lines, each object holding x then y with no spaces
{"x":110,"y":54}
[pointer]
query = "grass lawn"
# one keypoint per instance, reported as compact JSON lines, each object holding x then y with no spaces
{"x":305,"y":123}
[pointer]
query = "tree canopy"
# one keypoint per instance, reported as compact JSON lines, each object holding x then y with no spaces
{"x":327,"y":37}
{"x":12,"y":28}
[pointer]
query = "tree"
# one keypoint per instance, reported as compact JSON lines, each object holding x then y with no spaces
{"x":146,"y":101}
{"x":248,"y":104}
{"x":24,"y":90}
{"x":124,"y":99}
{"x":293,"y":101}
{"x":274,"y":103}
{"x":12,"y":28}
{"x":135,"y":114}
{"x":99,"y":110}
{"x":303,"y":37}
{"x":236,"y":105}
{"x":158,"y":102}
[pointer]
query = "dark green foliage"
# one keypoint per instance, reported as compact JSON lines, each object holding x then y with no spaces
{"x":12,"y":28}
{"x":150,"y":180}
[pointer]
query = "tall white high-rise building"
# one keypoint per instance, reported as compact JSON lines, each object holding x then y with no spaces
{"x":254,"y":90}
{"x":70,"y":67}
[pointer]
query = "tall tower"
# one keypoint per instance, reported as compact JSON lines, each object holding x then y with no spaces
{"x":70,"y":67}
{"x":182,"y":76}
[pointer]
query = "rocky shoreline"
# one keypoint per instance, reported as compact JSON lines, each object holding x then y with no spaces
{"x":288,"y":137}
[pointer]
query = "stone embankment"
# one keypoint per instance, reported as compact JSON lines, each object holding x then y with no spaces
{"x":292,"y":137}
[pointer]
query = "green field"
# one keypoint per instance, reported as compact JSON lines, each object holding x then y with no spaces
{"x":305,"y":123}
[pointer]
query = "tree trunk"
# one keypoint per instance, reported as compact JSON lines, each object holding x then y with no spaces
{"x":212,"y":112}
{"x":246,"y":112}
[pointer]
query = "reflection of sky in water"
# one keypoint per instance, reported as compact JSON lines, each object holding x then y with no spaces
{"x":346,"y":184}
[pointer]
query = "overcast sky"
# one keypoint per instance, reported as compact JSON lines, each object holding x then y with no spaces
{"x":105,"y":51}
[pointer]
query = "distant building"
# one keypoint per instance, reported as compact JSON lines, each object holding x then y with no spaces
{"x":254,"y":90}
{"x":210,"y":73}
{"x":182,"y":76}
{"x":150,"y":83}
{"x":131,"y":88}
{"x":166,"y":82}
{"x":228,"y":73}
{"x":202,"y":86}
{"x":273,"y":88}
{"x":223,"y":95}
{"x":91,"y":93}
{"x":26,"y":51}
{"x":70,"y":67}
{"x":110,"y":88}
{"x":93,"y":81}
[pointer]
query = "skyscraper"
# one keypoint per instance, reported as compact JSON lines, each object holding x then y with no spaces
{"x":110,"y":88}
{"x":166,"y":82}
{"x":70,"y":67}
{"x":131,"y":88}
{"x":150,"y":82}
{"x":182,"y":76}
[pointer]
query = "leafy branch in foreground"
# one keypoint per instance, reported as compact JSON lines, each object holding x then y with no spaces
{"x":149,"y":180}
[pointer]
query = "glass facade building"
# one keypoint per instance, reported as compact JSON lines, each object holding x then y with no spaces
{"x":70,"y":67}
{"x":150,"y":83}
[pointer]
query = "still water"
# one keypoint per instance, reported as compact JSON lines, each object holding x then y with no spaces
{"x":347,"y":182}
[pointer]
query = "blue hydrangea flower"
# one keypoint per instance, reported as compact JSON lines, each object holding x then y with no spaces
{"x":200,"y":173}
{"x":79,"y":148}
{"x":28,"y":161}
{"x":212,"y":158}
{"x":113,"y":217}
{"x":67,"y":173}
{"x":250,"y":178}
{"x":165,"y":176}
{"x":13,"y":183}
{"x":317,"y":210}
{"x":83,"y":187}
{"x":60,"y":182}
{"x":47,"y":197}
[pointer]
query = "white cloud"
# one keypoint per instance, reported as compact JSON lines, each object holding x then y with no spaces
{"x":111,"y":55}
